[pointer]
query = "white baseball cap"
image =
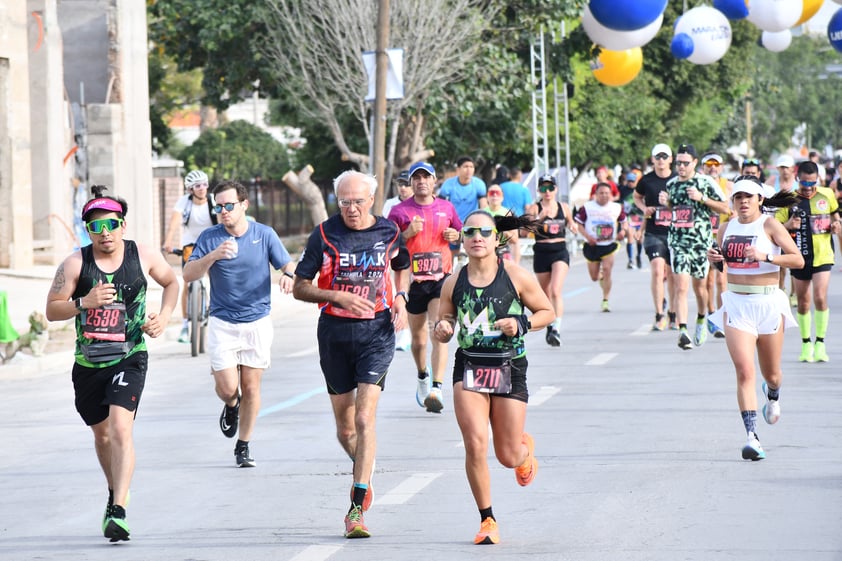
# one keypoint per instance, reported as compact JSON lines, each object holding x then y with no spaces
{"x":661,"y":149}
{"x":784,"y":161}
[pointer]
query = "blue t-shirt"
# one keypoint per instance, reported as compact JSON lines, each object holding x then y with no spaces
{"x":241,"y":288}
{"x":464,"y":197}
{"x":515,"y":197}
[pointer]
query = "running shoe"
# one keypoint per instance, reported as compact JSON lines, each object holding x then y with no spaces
{"x":673,"y":326}
{"x":423,"y":389}
{"x":403,"y":341}
{"x":229,"y":419}
{"x":525,"y":473}
{"x":752,"y":450}
{"x":820,"y":352}
{"x":243,"y":456}
{"x":806,"y":353}
{"x":488,"y":533}
{"x":701,"y":334}
{"x":684,"y":340}
{"x":660,"y":324}
{"x":355,"y":525}
{"x":109,"y":506}
{"x":604,"y":307}
{"x":369,"y":494}
{"x":116,"y":529}
{"x":629,"y":266}
{"x":184,"y":336}
{"x":711,"y":327}
{"x":434,"y":402}
{"x":553,"y":337}
{"x":718,"y":333}
{"x":772,"y":409}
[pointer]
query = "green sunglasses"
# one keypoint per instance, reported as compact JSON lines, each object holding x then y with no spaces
{"x":97,"y":226}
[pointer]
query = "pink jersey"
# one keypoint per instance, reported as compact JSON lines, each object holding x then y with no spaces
{"x":428,"y":250}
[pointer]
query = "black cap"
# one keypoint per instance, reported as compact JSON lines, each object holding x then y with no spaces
{"x":403,"y":177}
{"x":687,"y":149}
{"x":546,"y":179}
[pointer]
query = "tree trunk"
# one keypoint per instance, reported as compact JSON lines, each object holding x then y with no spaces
{"x":309,"y":192}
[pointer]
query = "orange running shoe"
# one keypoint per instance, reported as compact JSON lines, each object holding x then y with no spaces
{"x":488,"y":533}
{"x":355,"y":525}
{"x":525,"y":472}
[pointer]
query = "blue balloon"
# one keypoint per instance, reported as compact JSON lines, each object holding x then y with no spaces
{"x":834,"y":30}
{"x":733,"y":9}
{"x":682,"y":46}
{"x":623,"y":15}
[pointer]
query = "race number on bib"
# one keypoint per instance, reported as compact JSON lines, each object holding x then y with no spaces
{"x":663,"y":216}
{"x":488,"y":372}
{"x":734,"y":251}
{"x":362,"y":287}
{"x":683,"y":216}
{"x":106,"y":323}
{"x":604,"y":231}
{"x":554,"y":227}
{"x":427,"y":264}
{"x":820,"y":223}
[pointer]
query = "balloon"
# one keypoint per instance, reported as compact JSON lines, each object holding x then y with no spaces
{"x":776,"y":41}
{"x":617,"y":68}
{"x":627,"y":16}
{"x":681,"y":46}
{"x":809,"y":10}
{"x":709,"y":31}
{"x":619,"y":40}
{"x":733,"y":9}
{"x":834,"y":30}
{"x":774,"y":15}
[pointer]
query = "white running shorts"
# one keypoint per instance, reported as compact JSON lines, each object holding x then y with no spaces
{"x":758,"y":314}
{"x":232,"y":344}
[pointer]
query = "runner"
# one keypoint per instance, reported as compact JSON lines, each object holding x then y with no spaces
{"x":488,"y":301}
{"x":427,"y":224}
{"x":754,"y":310}
{"x":103,"y":286}
{"x":352,"y":253}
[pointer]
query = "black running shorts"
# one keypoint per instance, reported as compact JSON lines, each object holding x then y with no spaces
{"x":420,"y":294}
{"x":545,"y":254}
{"x":98,"y":388}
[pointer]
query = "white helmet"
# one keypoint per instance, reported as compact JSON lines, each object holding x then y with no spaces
{"x":194,"y":177}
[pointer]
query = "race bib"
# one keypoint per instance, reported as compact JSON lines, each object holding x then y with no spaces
{"x":734,"y":252}
{"x":714,"y":222}
{"x":604,"y":231}
{"x":683,"y":216}
{"x":636,"y":221}
{"x":820,"y":223}
{"x":106,"y":323}
{"x":663,"y":216}
{"x":554,"y":227}
{"x":488,"y":372}
{"x":427,"y":264}
{"x":362,"y":287}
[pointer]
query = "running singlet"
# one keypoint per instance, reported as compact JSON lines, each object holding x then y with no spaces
{"x":478,"y":308}
{"x":119,"y":322}
{"x":740,"y":236}
{"x":813,"y":238}
{"x":356,"y":261}
{"x":649,"y":187}
{"x":601,"y":222}
{"x":552,"y":228}
{"x":429,"y":252}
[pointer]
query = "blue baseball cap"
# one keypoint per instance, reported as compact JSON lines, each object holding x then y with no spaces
{"x":422,"y":165}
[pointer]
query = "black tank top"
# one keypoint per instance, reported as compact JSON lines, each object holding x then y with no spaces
{"x":553,"y":228}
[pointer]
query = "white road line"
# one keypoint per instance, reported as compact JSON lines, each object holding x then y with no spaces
{"x":406,"y":489}
{"x":644,"y":329}
{"x":545,"y":393}
{"x":305,"y":352}
{"x":317,"y":553}
{"x":600,"y":359}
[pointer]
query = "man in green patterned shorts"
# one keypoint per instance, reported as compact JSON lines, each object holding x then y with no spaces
{"x":692,"y":198}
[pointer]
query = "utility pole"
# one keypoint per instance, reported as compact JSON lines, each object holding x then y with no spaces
{"x":749,"y":150}
{"x":378,"y":165}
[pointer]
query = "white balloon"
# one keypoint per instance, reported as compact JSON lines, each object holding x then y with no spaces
{"x":776,"y":41}
{"x":774,"y":15}
{"x":614,"y":40}
{"x":710,"y":31}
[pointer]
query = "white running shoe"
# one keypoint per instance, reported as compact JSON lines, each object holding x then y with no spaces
{"x":434,"y":402}
{"x":752,"y":450}
{"x":423,"y":390}
{"x":772,"y":409}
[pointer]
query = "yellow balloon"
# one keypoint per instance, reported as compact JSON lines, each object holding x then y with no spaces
{"x":618,"y":68}
{"x":809,"y":10}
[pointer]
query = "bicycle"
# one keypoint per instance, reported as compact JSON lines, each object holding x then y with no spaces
{"x":197,"y":311}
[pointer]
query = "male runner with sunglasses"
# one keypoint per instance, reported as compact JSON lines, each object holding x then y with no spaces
{"x":103,"y":285}
{"x":236,"y":254}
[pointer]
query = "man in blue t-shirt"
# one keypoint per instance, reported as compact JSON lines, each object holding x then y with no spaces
{"x":515,"y":195}
{"x":236,"y":254}
{"x":464,"y":191}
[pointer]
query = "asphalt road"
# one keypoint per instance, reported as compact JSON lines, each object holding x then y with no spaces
{"x":638,"y":443}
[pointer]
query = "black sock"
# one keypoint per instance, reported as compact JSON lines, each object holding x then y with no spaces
{"x":682,"y":326}
{"x":437,"y":385}
{"x":359,"y":495}
{"x":807,"y":340}
{"x":110,"y":497}
{"x":118,"y":512}
{"x":241,"y":444}
{"x":700,"y":318}
{"x":659,"y":317}
{"x":671,"y":316}
{"x":486,"y":513}
{"x":422,"y":375}
{"x":819,"y":339}
{"x":773,"y":394}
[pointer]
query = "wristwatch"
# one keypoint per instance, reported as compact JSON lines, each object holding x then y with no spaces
{"x":769,"y":258}
{"x":79,"y":305}
{"x":402,"y":293}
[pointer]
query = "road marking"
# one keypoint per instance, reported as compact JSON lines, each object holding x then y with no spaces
{"x":407,"y":489}
{"x":644,"y":329}
{"x":295,"y":400}
{"x":317,"y":553}
{"x":600,"y":359}
{"x":305,"y":352}
{"x":576,"y":292}
{"x":545,"y":393}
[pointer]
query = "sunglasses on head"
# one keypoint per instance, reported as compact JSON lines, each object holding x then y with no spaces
{"x":661,"y":156}
{"x":545,"y":188}
{"x":484,"y":231}
{"x":751,"y":162}
{"x":807,"y":183}
{"x":227,"y":206}
{"x":97,"y":226}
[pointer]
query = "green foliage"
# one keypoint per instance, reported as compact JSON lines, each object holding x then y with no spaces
{"x":169,"y":91}
{"x":238,"y":150}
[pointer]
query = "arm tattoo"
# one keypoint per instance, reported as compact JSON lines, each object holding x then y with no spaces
{"x":59,"y":280}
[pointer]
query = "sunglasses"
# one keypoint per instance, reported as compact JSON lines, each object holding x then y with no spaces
{"x":545,"y":188}
{"x":682,"y":163}
{"x":227,"y":206}
{"x":807,"y":183}
{"x":661,"y":156}
{"x":97,"y":226}
{"x":484,"y":231}
{"x":751,"y":162}
{"x":712,"y":163}
{"x":345,"y":203}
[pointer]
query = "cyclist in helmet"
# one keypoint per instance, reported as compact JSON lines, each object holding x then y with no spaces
{"x":193,"y":213}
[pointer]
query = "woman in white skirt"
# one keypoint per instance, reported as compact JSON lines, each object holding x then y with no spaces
{"x":754,"y":310}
